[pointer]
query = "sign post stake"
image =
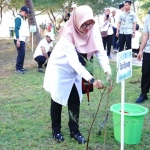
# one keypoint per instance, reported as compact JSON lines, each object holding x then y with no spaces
{"x":124,"y":66}
{"x":122,"y":113}
{"x":32,"y":41}
{"x":32,"y":30}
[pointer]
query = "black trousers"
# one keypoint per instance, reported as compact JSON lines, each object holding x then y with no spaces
{"x":115,"y":38}
{"x":125,"y":38}
{"x":41,"y":60}
{"x":145,"y":82}
{"x":73,"y":111}
{"x":135,"y":50}
{"x":20,"y":55}
{"x":107,"y":41}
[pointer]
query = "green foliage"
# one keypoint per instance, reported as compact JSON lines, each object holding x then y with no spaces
{"x":146,"y":4}
{"x":143,"y":8}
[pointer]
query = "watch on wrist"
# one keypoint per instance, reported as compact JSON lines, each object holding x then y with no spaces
{"x":92,"y":80}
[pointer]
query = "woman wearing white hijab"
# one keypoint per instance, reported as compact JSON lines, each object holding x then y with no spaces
{"x":64,"y":71}
{"x":107,"y":26}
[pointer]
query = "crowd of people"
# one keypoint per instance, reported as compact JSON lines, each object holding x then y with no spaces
{"x":81,"y":37}
{"x":120,"y":31}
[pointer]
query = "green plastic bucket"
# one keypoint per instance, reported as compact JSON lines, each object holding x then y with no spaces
{"x":133,"y":122}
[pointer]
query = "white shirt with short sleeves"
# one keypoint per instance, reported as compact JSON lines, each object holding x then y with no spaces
{"x":146,"y":29}
{"x":127,"y":20}
{"x":43,"y":43}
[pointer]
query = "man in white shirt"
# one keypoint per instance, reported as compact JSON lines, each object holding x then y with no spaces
{"x":42,"y":52}
{"x":145,"y":52}
{"x":121,"y":9}
{"x":126,"y":26}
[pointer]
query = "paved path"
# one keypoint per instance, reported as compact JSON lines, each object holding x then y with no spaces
{"x":134,"y":59}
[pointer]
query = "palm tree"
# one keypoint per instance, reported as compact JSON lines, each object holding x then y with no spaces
{"x":32,"y":20}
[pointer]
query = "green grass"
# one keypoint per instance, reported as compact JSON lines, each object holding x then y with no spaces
{"x":25,"y":123}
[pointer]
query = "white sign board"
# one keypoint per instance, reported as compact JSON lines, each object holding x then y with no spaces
{"x":32,"y":28}
{"x":124,"y":65}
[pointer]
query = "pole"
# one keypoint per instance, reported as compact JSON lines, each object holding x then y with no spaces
{"x":122,"y":113}
{"x":32,"y":41}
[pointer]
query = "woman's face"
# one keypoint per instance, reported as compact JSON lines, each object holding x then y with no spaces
{"x":107,"y":12}
{"x":86,"y":26}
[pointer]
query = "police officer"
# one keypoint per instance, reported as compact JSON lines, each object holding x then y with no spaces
{"x":126,"y":26}
{"x":145,"y":51}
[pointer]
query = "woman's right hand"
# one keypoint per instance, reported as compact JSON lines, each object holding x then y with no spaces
{"x":98,"y":84}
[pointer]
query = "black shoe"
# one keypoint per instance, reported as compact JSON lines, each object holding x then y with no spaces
{"x":25,"y":70}
{"x":57,"y":136}
{"x":78,"y":137}
{"x":135,"y":54}
{"x":142,"y":98}
{"x":40,"y":70}
{"x":20,"y":71}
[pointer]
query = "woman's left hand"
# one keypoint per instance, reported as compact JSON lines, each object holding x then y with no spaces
{"x":98,"y":84}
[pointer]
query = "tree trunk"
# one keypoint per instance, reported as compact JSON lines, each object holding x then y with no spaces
{"x":32,"y":21}
{"x":1,"y":14}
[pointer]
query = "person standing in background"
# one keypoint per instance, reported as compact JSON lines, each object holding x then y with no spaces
{"x":121,"y":9}
{"x":106,"y":26}
{"x":114,"y":22}
{"x":145,"y":52}
{"x":136,"y":41}
{"x":49,"y":26}
{"x":19,"y":38}
{"x":67,"y":13}
{"x":126,"y":26}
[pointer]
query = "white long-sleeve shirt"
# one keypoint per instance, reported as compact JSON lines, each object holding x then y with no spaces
{"x":64,"y":70}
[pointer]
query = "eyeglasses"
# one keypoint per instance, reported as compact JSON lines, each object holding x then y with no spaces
{"x":85,"y":25}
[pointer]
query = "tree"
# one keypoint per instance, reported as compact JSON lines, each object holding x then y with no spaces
{"x":32,"y":20}
{"x":143,"y":8}
{"x":99,"y":5}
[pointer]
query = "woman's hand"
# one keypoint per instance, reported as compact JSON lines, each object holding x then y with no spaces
{"x":98,"y":84}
